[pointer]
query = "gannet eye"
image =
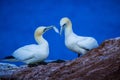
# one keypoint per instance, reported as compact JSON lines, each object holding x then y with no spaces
{"x":64,"y":25}
{"x":45,"y":30}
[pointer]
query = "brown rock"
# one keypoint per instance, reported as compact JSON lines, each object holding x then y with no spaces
{"x":102,"y":63}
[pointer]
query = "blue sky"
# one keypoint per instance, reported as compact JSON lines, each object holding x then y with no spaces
{"x":19,"y":18}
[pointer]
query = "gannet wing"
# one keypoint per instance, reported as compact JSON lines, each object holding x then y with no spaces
{"x":25,"y":52}
{"x":9,"y":58}
{"x":88,"y":43}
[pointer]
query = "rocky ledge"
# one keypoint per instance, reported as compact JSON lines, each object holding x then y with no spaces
{"x":102,"y":63}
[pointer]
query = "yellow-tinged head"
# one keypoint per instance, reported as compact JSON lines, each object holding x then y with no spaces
{"x":39,"y":31}
{"x":42,"y":29}
{"x":65,"y":23}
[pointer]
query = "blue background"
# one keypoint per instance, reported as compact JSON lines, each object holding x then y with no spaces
{"x":19,"y":18}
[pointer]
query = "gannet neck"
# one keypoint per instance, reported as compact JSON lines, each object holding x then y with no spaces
{"x":39,"y":39}
{"x":68,"y":29}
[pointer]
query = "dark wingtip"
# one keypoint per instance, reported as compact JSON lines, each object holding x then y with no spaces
{"x":9,"y":57}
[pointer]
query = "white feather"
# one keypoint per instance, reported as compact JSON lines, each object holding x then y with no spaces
{"x":34,"y":52}
{"x":78,"y":44}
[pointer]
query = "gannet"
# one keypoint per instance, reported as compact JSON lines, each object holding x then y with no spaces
{"x":77,"y":44}
{"x":33,"y":53}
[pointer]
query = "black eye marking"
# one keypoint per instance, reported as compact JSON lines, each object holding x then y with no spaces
{"x":63,"y":25}
{"x":45,"y":30}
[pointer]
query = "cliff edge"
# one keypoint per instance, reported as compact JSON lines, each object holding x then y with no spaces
{"x":102,"y":63}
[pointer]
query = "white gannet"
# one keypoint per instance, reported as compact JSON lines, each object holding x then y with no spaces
{"x":33,"y":53}
{"x":78,"y":44}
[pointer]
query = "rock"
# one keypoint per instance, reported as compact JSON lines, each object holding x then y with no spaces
{"x":102,"y":63}
{"x":6,"y":69}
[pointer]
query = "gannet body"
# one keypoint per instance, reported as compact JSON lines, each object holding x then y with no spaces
{"x":75,"y":43}
{"x":33,"y":53}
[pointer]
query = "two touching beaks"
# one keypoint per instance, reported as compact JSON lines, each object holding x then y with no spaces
{"x":63,"y":23}
{"x":38,"y":32}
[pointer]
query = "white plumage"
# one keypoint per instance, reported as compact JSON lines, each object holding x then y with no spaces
{"x":33,"y":53}
{"x":78,"y":44}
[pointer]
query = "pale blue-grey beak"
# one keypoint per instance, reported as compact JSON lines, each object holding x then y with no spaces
{"x":62,"y":28}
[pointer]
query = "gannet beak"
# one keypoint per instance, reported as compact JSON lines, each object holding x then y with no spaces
{"x":47,"y":28}
{"x":62,"y":27}
{"x":54,"y":28}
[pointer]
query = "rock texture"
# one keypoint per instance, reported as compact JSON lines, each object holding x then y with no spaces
{"x":6,"y":70}
{"x":102,"y":63}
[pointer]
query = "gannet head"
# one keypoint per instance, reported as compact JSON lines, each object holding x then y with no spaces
{"x":65,"y":23}
{"x":40,"y":31}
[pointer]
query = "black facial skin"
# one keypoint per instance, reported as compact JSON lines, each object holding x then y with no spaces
{"x":47,"y":29}
{"x":64,"y":25}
